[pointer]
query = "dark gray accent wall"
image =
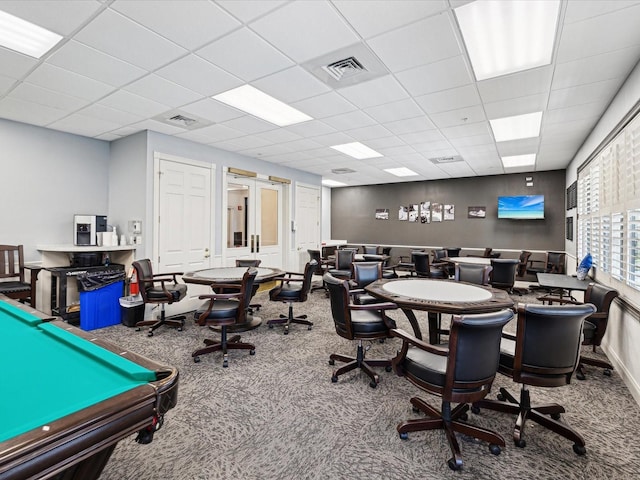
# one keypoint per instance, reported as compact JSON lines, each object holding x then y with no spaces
{"x":353,"y":213}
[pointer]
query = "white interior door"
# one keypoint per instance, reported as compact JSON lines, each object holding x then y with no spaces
{"x":254,"y":221}
{"x":184,"y":239}
{"x":307,"y":231}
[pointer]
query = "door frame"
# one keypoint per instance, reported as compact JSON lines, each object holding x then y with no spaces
{"x":295,"y":254}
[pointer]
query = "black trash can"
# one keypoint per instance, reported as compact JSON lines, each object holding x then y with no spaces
{"x":131,"y":310}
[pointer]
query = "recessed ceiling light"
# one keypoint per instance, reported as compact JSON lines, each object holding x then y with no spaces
{"x":513,"y":128}
{"x":508,"y":36}
{"x":25,"y":37}
{"x":519,"y":160}
{"x":357,"y":150}
{"x":332,"y":183}
{"x":257,"y":103}
{"x":400,"y":172}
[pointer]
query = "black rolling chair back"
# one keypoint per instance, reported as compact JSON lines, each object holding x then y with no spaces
{"x":344,"y":259}
{"x":247,"y":262}
{"x":365,"y":273}
{"x":503,"y":274}
{"x":472,"y":273}
{"x":320,"y":269}
{"x":424,"y":269}
{"x":371,"y":250}
{"x":293,"y":288}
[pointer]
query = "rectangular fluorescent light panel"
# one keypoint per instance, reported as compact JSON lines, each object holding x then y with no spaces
{"x":332,"y":183}
{"x":508,"y":36}
{"x":514,"y":128}
{"x":25,"y":37}
{"x":357,"y":150}
{"x":259,"y":104}
{"x":528,"y":160}
{"x":400,"y":172}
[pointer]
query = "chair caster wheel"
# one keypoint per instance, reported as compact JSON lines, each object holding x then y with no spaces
{"x":271,"y":325}
{"x":286,"y":332}
{"x":579,"y":449}
{"x":373,"y":384}
{"x":495,"y":449}
{"x":150,"y":334}
{"x":454,"y":464}
{"x":555,"y":416}
{"x":580,"y":376}
{"x":138,"y":329}
{"x":500,"y":397}
{"x":196,"y":359}
{"x":464,"y":417}
{"x":334,"y":379}
{"x":252,"y":352}
{"x":332,"y":361}
{"x":388,"y":368}
{"x":225,"y":363}
{"x":475,"y":410}
{"x":404,"y":436}
{"x":607,"y":372}
{"x":179,"y":329}
{"x":415,"y":409}
{"x":520,"y":443}
{"x":309,"y":327}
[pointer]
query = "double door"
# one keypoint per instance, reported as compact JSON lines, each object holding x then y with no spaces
{"x":254,"y":221}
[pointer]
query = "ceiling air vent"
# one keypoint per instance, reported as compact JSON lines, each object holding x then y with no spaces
{"x":450,"y":159}
{"x":342,"y":171}
{"x":182,"y":120}
{"x":344,"y":68}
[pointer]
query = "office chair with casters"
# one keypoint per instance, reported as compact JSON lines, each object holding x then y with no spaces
{"x":250,"y":262}
{"x":162,"y":289}
{"x":222,"y":310}
{"x":543,"y":353}
{"x":13,"y":281}
{"x":294,"y":287}
{"x":406,"y":266}
{"x":357,"y":322}
{"x":472,"y":273}
{"x":595,"y":326}
{"x":423,"y":268}
{"x":453,"y":251}
{"x":365,"y":273}
{"x":384,"y":260}
{"x":371,"y":250}
{"x":554,"y":262}
{"x":461,"y":372}
{"x":321,"y":268}
{"x":503,"y":275}
{"x":342,"y":267}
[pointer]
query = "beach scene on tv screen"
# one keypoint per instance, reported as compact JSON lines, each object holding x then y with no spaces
{"x":523,"y":206}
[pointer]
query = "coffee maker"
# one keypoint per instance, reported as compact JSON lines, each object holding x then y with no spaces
{"x":85,"y":228}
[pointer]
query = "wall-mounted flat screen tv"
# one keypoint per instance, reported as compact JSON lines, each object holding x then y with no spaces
{"x":521,"y":207}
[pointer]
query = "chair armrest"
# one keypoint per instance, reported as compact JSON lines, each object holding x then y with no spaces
{"x":421,"y":344}
{"x":509,"y":336}
{"x":220,"y":296}
{"x":233,"y":286}
{"x":374,"y":306}
{"x":561,"y":300}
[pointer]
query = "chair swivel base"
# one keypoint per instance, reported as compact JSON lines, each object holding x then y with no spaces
{"x":175,"y":322}
{"x":358,"y":362}
{"x":450,"y":421}
{"x":223,"y":345}
{"x":287,"y":320}
{"x":547,"y":415}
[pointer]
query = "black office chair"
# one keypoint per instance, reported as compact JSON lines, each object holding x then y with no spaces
{"x":322,"y":266}
{"x":406,"y":266}
{"x":343,"y":260}
{"x":462,"y":372}
{"x":225,"y":309}
{"x":246,"y":263}
{"x":472,"y":273}
{"x":162,"y":289}
{"x":423,"y":268}
{"x":554,"y":262}
{"x":453,"y":251}
{"x":384,"y":260}
{"x":365,"y":273}
{"x":294,"y":287}
{"x":503,"y":275}
{"x":371,"y":249}
{"x":543,"y":353}
{"x":357,"y":322}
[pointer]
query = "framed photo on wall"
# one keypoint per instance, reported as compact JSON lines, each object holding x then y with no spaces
{"x":382,"y":214}
{"x":413,"y":212}
{"x":425,"y":212}
{"x":477,"y":212}
{"x":403,"y":213}
{"x":436,"y":212}
{"x":449,"y":212}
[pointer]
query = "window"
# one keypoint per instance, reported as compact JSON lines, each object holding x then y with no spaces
{"x":608,"y":200}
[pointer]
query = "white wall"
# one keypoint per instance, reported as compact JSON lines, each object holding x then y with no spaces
{"x":622,"y":340}
{"x":325,"y":230}
{"x":47,"y":177}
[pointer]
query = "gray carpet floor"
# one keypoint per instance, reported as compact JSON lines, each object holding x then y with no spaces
{"x":277,"y":415}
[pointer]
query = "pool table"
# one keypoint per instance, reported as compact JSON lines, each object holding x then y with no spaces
{"x":67,"y":398}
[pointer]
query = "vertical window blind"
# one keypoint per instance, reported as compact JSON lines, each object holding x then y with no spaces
{"x":609,"y":211}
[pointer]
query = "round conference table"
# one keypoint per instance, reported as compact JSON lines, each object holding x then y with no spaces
{"x":436,"y":297}
{"x":220,"y":275}
{"x":470,"y":260}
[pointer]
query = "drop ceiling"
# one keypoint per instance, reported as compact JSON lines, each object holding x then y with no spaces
{"x":128,"y":66}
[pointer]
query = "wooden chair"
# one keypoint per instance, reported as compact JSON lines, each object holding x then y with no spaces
{"x":13,"y":281}
{"x":294,"y":287}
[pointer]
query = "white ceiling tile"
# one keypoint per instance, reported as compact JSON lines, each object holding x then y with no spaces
{"x":280,"y":135}
{"x":5,"y":84}
{"x":516,"y":106}
{"x":431,"y":40}
{"x":593,"y":36}
{"x":59,"y":16}
{"x":461,"y":116}
{"x":325,"y":105}
{"x":155,"y":126}
{"x":84,"y":125}
{"x":450,"y":73}
{"x":386,"y":142}
{"x":608,"y":66}
{"x":567,"y":97}
{"x":197,"y":74}
{"x":392,"y":151}
{"x":212,"y":110}
{"x":162,"y":91}
{"x":394,"y":111}
{"x":15,"y":65}
{"x":410,"y":125}
{"x":249,"y":142}
{"x":316,"y":27}
{"x":469,"y":130}
{"x":50,"y":98}
{"x":247,"y":10}
{"x":373,"y":18}
{"x":363,"y":134}
{"x":312,"y":128}
{"x":219,"y":133}
{"x":454,"y":98}
{"x":575,"y":112}
{"x":29,"y":112}
{"x":91,"y":63}
{"x":518,"y":147}
{"x":151,"y":50}
{"x":273,"y":150}
{"x":428,"y":147}
{"x":473,"y":141}
{"x":249,"y":124}
{"x":374,"y":92}
{"x":109,"y":114}
{"x":200,"y":22}
{"x":130,"y":102}
{"x":257,"y":60}
{"x":337,"y":138}
{"x":291,"y":85}
{"x":67,"y":82}
{"x":421,"y":137}
{"x":301,"y":145}
{"x":349,"y":120}
{"x":578,"y":11}
{"x":529,"y":82}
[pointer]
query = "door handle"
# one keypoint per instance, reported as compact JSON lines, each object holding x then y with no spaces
{"x":206,"y":253}
{"x":252,"y":243}
{"x":258,"y":243}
